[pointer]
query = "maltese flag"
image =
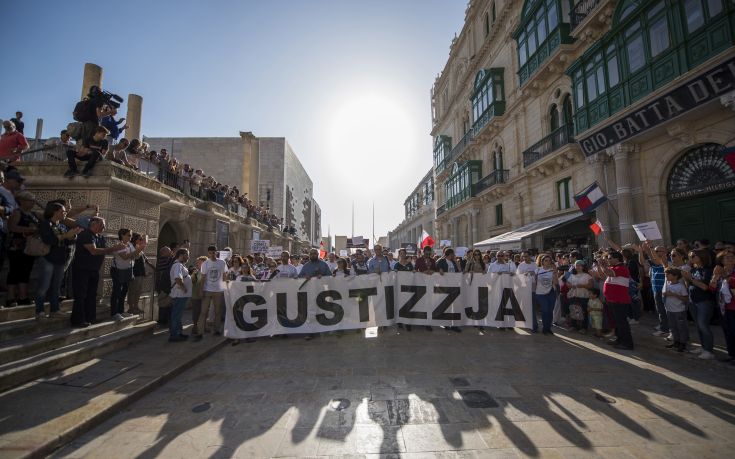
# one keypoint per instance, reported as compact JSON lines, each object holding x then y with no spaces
{"x":590,"y":199}
{"x":425,"y":240}
{"x":597,"y":228}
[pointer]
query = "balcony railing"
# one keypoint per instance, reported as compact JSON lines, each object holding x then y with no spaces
{"x":549,"y":144}
{"x":441,"y":209}
{"x":493,"y":178}
{"x":461,"y":145}
{"x":497,"y":108}
{"x":581,"y":10}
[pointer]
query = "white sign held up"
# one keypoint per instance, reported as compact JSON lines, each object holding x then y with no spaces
{"x":647,"y":231}
{"x":260,"y":246}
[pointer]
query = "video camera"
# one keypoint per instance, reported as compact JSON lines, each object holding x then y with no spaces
{"x":100,"y":98}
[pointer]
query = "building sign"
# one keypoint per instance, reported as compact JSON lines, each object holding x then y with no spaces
{"x":223,"y":234}
{"x":691,"y":94}
{"x":701,"y":170}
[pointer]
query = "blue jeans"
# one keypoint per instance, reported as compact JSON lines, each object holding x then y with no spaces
{"x":534,"y":302}
{"x":702,"y":312}
{"x":177,"y":311}
{"x":547,"y":303}
{"x":49,"y":282}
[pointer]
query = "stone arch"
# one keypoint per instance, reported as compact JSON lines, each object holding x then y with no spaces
{"x":172,"y":231}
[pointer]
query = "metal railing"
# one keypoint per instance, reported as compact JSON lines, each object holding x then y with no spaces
{"x":441,"y":209}
{"x":461,"y":145}
{"x":549,"y":144}
{"x":493,"y":178}
{"x":581,"y":10}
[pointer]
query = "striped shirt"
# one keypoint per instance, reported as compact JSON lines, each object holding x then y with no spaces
{"x":658,"y":277}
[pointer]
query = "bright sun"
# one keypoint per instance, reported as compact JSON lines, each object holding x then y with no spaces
{"x":370,"y":130}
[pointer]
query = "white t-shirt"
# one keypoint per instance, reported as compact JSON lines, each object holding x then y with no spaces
{"x":526,"y":268}
{"x":544,"y":280}
{"x":579,"y":279}
{"x":179,"y":271}
{"x":287,"y":271}
{"x":671,"y":303}
{"x":332,"y":265}
{"x":298,"y":268}
{"x":213,"y":271}
{"x":118,"y":261}
{"x":496,"y":267}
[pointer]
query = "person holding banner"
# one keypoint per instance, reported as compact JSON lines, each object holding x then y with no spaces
{"x":448,"y":264}
{"x":547,"y":282}
{"x":359,"y":267}
{"x":285,"y":268}
{"x":342,"y":270}
{"x":314,"y":267}
{"x":426,"y":265}
{"x":214,"y":271}
{"x":403,"y":263}
{"x":378,"y":263}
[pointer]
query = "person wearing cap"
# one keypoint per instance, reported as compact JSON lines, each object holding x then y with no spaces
{"x":12,"y":142}
{"x":22,"y":223}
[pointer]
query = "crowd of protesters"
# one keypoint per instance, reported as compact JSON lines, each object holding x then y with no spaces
{"x":99,"y":138}
{"x":604,"y":294}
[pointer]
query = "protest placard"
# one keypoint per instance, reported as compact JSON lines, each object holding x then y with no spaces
{"x":259,"y":246}
{"x":647,"y":231}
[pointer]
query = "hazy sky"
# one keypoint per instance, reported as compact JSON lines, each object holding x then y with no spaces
{"x":346,"y":82}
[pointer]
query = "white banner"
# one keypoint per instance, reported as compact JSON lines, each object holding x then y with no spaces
{"x":284,"y":306}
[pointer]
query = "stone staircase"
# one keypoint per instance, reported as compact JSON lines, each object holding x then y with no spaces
{"x":32,"y":349}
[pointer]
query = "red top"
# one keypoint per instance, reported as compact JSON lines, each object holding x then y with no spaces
{"x":425,"y":264}
{"x":615,"y":288}
{"x":11,"y":141}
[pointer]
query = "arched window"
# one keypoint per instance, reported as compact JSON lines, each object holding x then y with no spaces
{"x":498,"y":159}
{"x":553,"y":118}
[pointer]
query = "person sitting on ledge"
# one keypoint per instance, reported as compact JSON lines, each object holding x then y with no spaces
{"x":91,"y":150}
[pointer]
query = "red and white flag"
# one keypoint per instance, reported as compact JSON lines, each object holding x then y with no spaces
{"x":425,"y":240}
{"x":597,"y":228}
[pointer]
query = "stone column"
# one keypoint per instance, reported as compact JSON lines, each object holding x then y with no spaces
{"x":597,"y":161}
{"x":455,"y":228}
{"x":621,"y":154}
{"x":135,"y":112}
{"x":473,"y":229}
{"x":92,"y":77}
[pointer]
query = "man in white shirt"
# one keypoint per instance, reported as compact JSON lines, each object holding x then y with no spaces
{"x":214,"y":271}
{"x":181,"y":287}
{"x":501,"y":265}
{"x":331,"y":261}
{"x":526,"y":266}
{"x":285,"y":269}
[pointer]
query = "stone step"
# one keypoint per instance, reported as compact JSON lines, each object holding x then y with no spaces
{"x":30,"y":326}
{"x":29,"y":311}
{"x":27,"y":346}
{"x":20,"y":371}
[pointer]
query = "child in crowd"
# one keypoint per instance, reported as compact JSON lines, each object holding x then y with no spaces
{"x":676,"y":298}
{"x":594,"y":309}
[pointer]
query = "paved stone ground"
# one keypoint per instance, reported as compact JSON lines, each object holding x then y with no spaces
{"x":403,"y":396}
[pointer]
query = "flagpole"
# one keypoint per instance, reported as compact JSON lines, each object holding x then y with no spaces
{"x":374,"y":242}
{"x":353,"y":219}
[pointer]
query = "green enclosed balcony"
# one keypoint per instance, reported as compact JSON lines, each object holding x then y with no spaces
{"x":488,"y":98}
{"x":442,"y":149}
{"x":460,"y":185}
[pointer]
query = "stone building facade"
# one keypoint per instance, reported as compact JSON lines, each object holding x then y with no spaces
{"x":419,"y":209}
{"x":541,"y":98}
{"x":266,"y":168}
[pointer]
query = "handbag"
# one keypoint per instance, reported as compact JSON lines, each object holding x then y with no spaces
{"x":35,"y":247}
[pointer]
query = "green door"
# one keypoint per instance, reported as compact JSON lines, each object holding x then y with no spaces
{"x":711,"y":217}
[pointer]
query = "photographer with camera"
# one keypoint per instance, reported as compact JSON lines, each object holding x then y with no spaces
{"x":91,"y":150}
{"x":89,"y":111}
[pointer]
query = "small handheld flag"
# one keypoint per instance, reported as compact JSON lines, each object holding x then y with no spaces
{"x":590,"y":198}
{"x":597,"y":228}
{"x":425,"y":240}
